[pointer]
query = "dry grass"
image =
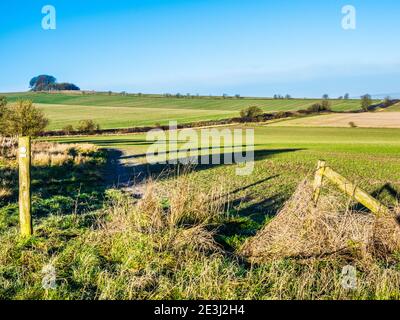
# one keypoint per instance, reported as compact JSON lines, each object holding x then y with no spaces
{"x":362,"y":120}
{"x":152,"y":238}
{"x":161,"y":253}
{"x":153,"y":249}
{"x":50,"y":154}
{"x":190,"y":203}
{"x":328,"y":231}
{"x":8,"y":147}
{"x":5,"y":192}
{"x":183,"y":204}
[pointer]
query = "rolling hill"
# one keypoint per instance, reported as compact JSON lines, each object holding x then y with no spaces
{"x":122,"y":111}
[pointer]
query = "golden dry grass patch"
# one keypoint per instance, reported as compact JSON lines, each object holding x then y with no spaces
{"x":329,"y":230}
{"x":344,"y":120}
{"x":5,"y":192}
{"x":50,"y":153}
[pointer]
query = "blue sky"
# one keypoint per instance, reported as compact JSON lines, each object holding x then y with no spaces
{"x":252,"y":47}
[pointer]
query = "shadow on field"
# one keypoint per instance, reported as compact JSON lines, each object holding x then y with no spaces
{"x":112,"y":142}
{"x":387,"y":190}
{"x":252,"y":185}
{"x":387,"y":194}
{"x":70,"y":187}
{"x":136,"y":173}
{"x":249,"y":216}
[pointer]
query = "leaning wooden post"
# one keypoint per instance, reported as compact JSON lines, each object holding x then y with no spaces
{"x":24,"y":161}
{"x":319,"y":176}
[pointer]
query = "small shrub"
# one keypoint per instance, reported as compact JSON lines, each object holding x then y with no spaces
{"x":282,"y":115}
{"x":68,"y":129}
{"x":23,"y":119}
{"x":322,"y":106}
{"x":352,"y":124}
{"x":88,"y":126}
{"x":316,"y":107}
{"x":251,"y":114}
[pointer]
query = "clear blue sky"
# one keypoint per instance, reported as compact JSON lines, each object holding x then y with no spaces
{"x":251,"y":47}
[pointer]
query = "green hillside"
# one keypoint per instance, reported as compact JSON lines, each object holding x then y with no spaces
{"x":121,"y":111}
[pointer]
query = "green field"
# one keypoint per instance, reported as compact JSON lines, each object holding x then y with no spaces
{"x":118,"y":111}
{"x":370,"y":156}
{"x":106,"y":244}
{"x":183,"y":240}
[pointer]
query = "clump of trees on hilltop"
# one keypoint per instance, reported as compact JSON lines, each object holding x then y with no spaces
{"x":45,"y":82}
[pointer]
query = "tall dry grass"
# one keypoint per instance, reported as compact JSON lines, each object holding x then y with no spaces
{"x":55,"y":154}
{"x":155,"y":239}
{"x":5,"y":192}
{"x":50,"y":154}
{"x":8,"y":147}
{"x":330,"y":230}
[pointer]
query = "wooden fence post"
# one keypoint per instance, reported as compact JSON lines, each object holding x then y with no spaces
{"x":347,"y":187}
{"x":355,"y":192}
{"x":319,"y":176}
{"x":24,"y":161}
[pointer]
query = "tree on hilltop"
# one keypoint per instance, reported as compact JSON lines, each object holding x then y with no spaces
{"x":45,"y":82}
{"x":41,"y":82}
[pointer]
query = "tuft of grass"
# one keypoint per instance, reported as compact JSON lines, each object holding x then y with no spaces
{"x":330,"y":230}
{"x":5,"y":192}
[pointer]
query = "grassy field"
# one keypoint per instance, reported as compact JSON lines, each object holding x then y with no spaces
{"x":117,"y":111}
{"x":182,"y":240}
{"x":126,"y":117}
{"x":180,"y":236}
{"x":371,"y":156}
{"x":284,"y":157}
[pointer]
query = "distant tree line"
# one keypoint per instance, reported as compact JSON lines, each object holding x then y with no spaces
{"x":279,"y":97}
{"x":193,"y":96}
{"x":49,"y":83}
